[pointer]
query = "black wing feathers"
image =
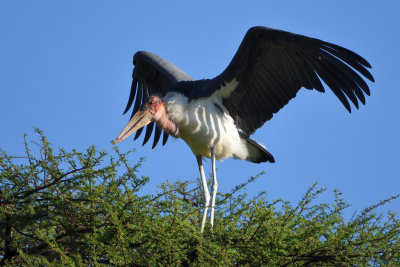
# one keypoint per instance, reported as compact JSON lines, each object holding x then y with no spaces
{"x":151,"y":75}
{"x":271,"y":66}
{"x":132,"y":94}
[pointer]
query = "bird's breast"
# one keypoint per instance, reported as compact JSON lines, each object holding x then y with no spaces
{"x":205,"y":123}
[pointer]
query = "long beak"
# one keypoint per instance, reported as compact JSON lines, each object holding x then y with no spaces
{"x":139,"y":120}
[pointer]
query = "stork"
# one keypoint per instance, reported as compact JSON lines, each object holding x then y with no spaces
{"x":216,"y":117}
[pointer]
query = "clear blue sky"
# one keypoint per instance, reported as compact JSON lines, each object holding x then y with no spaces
{"x":65,"y":67}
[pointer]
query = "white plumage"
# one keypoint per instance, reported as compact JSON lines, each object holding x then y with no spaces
{"x":204,"y":123}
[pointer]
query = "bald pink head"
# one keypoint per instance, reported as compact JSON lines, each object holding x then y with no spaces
{"x":156,"y":106}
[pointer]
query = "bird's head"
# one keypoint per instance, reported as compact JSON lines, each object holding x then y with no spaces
{"x":152,"y":110}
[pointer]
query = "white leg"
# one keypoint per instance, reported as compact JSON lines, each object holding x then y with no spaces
{"x":206,"y":192}
{"x":214,"y":186}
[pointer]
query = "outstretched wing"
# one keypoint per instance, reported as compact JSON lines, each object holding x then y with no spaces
{"x":271,"y":66}
{"x":152,"y":75}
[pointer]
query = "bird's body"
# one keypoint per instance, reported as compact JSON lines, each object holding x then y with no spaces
{"x":202,"y":125}
{"x":205,"y":123}
{"x":216,"y":117}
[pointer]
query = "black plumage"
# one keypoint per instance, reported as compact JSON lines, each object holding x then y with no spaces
{"x":270,"y":67}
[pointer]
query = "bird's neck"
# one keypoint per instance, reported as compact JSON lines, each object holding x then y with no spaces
{"x":168,"y":125}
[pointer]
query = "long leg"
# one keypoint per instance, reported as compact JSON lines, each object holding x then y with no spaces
{"x":206,"y":192}
{"x":214,"y":186}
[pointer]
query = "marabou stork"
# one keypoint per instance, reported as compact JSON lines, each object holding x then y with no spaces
{"x":216,"y":117}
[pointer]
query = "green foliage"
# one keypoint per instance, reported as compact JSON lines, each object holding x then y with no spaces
{"x":73,"y":208}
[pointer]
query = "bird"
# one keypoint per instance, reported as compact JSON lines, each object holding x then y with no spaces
{"x":216,"y":117}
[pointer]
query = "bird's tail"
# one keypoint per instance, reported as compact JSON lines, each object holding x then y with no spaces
{"x":258,"y":153}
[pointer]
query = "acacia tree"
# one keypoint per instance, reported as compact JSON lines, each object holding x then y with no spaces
{"x":74,"y":208}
